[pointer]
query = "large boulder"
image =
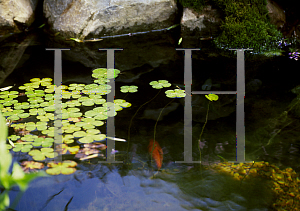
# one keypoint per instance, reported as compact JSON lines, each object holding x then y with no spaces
{"x":16,"y":13}
{"x":90,"y":17}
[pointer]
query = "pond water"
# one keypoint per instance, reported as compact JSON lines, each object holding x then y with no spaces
{"x":136,"y":184}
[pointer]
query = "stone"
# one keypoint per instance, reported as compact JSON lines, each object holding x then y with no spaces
{"x":108,"y":17}
{"x":14,"y":13}
{"x":276,"y":14}
{"x":205,"y":23}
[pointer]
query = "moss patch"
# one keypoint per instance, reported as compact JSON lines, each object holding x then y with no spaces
{"x":246,"y":25}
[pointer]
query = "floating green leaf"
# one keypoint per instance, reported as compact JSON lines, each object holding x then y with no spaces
{"x":23,"y":147}
{"x":89,"y":123}
{"x":23,"y":105}
{"x":65,"y":148}
{"x":212,"y":97}
{"x":68,"y":139}
{"x":160,"y":84}
{"x":176,"y":93}
{"x":70,"y":128}
{"x":77,"y":87}
{"x":130,"y":89}
{"x":42,"y":154}
{"x":61,"y":168}
{"x":71,"y":112}
{"x":89,"y":136}
{"x":44,"y":142}
{"x":9,"y":94}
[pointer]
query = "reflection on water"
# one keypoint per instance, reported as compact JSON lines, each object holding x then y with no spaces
{"x":173,"y":189}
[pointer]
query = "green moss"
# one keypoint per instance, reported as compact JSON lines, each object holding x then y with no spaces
{"x":246,"y":25}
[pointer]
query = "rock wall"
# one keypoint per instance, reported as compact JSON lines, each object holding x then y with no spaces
{"x":81,"y":18}
{"x":14,"y":13}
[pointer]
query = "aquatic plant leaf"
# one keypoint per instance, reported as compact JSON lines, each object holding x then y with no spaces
{"x":65,"y":148}
{"x":35,"y":111}
{"x":73,"y":103}
{"x":44,"y":142}
{"x":89,"y":123}
{"x":29,"y":137}
{"x":35,"y":100}
{"x":131,"y":89}
{"x":9,"y":94}
{"x":46,"y":117}
{"x":13,"y":137}
{"x":70,"y":128}
{"x":49,"y":132}
{"x":61,"y":168}
{"x":122,"y":103}
{"x":27,"y":166}
{"x":160,"y":84}
{"x":68,"y":139}
{"x":42,"y":154}
{"x":89,"y":136}
{"x":9,"y":102}
{"x":23,"y":147}
{"x":76,"y":87}
{"x":176,"y":93}
{"x":18,"y":126}
{"x":23,"y":105}
{"x":212,"y":97}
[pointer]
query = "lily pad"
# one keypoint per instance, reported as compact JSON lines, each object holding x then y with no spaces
{"x":71,"y":112}
{"x":65,"y":148}
{"x":212,"y":97}
{"x":22,"y":146}
{"x":68,"y":139}
{"x":18,"y":126}
{"x":160,"y":84}
{"x":49,"y":132}
{"x":73,"y":103}
{"x":76,"y":87}
{"x":176,"y":93}
{"x":9,"y":94}
{"x":70,"y":128}
{"x":33,"y":126}
{"x":66,"y":167}
{"x":13,"y":137}
{"x":42,"y":154}
{"x":23,"y":105}
{"x":28,"y":166}
{"x":46,"y":117}
{"x":44,"y":142}
{"x":89,"y":123}
{"x":131,"y":89}
{"x":89,"y":136}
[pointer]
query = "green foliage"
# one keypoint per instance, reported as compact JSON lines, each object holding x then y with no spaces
{"x":18,"y":177}
{"x":246,"y":25}
{"x":197,"y":5}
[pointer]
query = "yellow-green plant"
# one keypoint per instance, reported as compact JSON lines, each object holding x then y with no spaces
{"x":17,"y":177}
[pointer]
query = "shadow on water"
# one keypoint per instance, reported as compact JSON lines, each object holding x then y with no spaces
{"x":145,"y":58}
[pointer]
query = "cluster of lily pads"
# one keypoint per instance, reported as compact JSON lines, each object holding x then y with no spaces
{"x":30,"y":112}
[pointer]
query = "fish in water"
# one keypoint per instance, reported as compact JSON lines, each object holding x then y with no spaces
{"x":156,"y":152}
{"x":208,"y":84}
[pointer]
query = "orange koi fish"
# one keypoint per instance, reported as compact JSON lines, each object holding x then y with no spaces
{"x":156,"y":153}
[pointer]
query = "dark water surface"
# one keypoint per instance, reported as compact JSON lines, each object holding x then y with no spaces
{"x":96,"y":186}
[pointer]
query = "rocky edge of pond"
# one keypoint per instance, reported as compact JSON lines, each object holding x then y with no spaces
{"x":90,"y":18}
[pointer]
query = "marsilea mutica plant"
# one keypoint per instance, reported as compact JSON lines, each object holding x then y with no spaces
{"x":29,"y":111}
